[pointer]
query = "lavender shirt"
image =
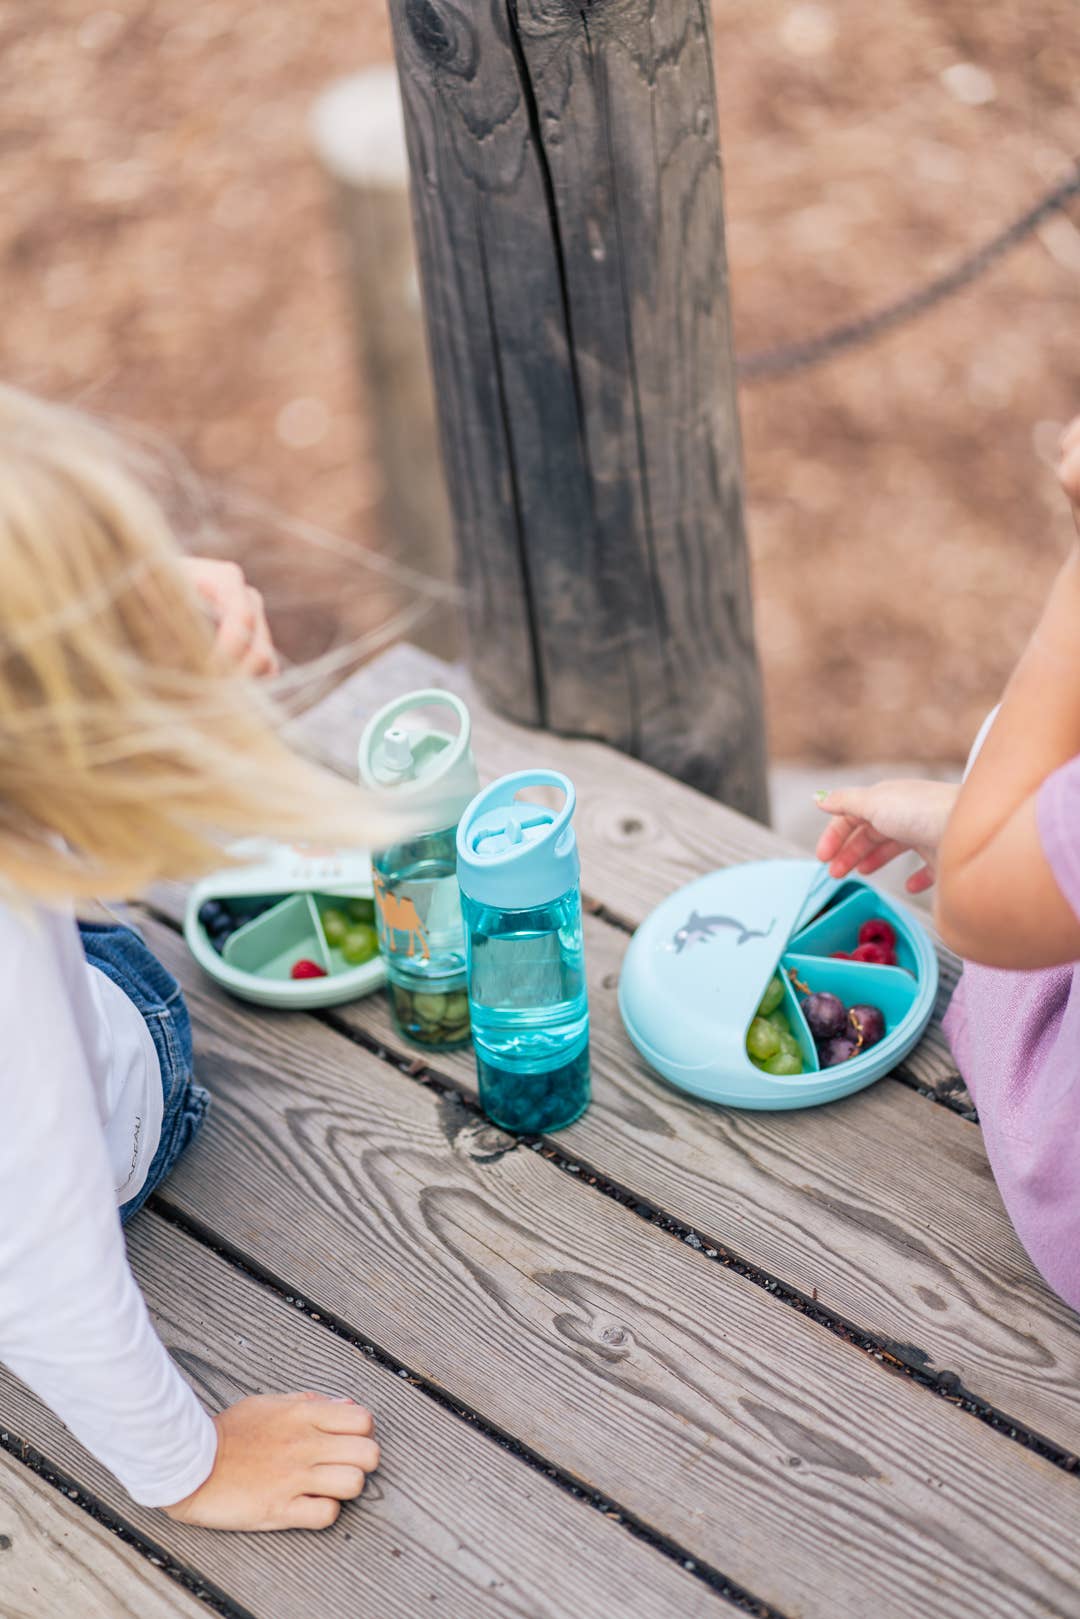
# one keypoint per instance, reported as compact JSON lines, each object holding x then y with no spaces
{"x":1016,"y":1040}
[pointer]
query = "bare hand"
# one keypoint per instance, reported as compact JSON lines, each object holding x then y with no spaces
{"x":243,"y":635}
{"x":872,"y":825}
{"x":284,"y":1461}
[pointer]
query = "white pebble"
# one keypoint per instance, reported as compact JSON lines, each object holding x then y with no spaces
{"x":972,"y":85}
{"x":302,"y":423}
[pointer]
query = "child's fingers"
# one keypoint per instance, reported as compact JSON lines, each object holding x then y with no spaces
{"x":862,"y":843}
{"x":342,"y":1483}
{"x":343,"y":1417}
{"x":345,"y":1450}
{"x":311,"y":1512}
{"x":920,"y":881}
{"x":890,"y":850}
{"x":835,"y":836}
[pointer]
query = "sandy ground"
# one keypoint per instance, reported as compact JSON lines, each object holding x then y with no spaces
{"x":167,"y":257}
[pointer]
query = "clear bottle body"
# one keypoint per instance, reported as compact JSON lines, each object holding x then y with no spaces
{"x":529,"y":1011}
{"x":422,"y":938}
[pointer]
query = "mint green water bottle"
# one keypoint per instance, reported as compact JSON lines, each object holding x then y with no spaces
{"x":408,"y":755}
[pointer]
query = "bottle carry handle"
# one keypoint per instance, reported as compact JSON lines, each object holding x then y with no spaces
{"x":387,"y":717}
{"x":503,"y":794}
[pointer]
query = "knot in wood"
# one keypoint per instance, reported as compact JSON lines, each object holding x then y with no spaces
{"x":442,"y":34}
{"x":483,"y":1142}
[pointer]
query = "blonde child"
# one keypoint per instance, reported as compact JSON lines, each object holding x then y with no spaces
{"x":1005,"y":849}
{"x":131,"y":738}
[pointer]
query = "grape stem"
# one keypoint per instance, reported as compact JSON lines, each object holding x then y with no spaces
{"x":857,"y":1022}
{"x":804,"y":989}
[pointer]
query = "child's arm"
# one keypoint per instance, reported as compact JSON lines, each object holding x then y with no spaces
{"x":74,"y":1326}
{"x":999,"y":901}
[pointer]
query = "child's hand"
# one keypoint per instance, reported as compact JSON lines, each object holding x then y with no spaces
{"x":1069,"y":466}
{"x":284,"y":1461}
{"x":243,"y":635}
{"x":872,"y":825}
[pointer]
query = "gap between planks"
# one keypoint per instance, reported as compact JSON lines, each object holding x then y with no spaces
{"x":290,"y":1172}
{"x":854,"y":1260}
{"x":447,"y":1518}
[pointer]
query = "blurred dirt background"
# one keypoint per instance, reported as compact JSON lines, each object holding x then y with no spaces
{"x":167,"y":256}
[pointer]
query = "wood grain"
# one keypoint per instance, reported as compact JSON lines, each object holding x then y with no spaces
{"x":56,"y":1561}
{"x":569,"y":220}
{"x":882,"y":1210}
{"x":450,"y":1524}
{"x":642,"y":834}
{"x":754,"y":1437}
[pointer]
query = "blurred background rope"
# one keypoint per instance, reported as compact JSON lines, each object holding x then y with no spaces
{"x":763,"y":364}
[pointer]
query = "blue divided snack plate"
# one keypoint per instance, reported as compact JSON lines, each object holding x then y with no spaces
{"x":284,"y":892}
{"x":698,"y":966}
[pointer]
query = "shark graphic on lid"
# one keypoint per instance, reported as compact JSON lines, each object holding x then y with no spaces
{"x":701,"y":929}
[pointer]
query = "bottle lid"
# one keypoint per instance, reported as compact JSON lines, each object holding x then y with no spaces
{"x":515,"y":854}
{"x":429,"y":770}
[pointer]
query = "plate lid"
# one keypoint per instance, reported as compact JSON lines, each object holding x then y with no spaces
{"x":698,"y":966}
{"x":265,"y":867}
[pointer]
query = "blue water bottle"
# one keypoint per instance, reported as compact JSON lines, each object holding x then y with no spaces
{"x":518,"y":870}
{"x":427,"y":771}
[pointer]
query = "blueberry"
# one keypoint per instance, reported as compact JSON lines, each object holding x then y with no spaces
{"x":211,"y":913}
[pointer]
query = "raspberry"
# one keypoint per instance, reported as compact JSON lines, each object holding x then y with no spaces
{"x":875,"y":954}
{"x":307,"y":969}
{"x":840,"y":955}
{"x":875,"y":930}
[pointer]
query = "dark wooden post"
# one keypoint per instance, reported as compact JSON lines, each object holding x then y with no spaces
{"x":569,"y":221}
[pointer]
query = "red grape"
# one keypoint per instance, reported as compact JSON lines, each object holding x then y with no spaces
{"x":825,"y":1014}
{"x":869,"y":1022}
{"x":839,"y":1049}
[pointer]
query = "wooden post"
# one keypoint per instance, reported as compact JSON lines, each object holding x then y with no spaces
{"x":360,"y":137}
{"x":569,"y":222}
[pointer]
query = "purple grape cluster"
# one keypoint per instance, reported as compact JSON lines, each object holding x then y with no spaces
{"x":840,"y":1032}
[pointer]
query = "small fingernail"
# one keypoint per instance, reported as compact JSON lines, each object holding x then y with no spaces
{"x":343,"y":1399}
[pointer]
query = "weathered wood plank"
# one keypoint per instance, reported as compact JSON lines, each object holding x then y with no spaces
{"x":908,"y":1242}
{"x":56,"y":1561}
{"x":451,"y":1523}
{"x":569,"y":220}
{"x":753,"y":1436}
{"x":642,"y":834}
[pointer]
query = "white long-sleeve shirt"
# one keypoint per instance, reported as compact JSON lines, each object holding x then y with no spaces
{"x":80,"y":1121}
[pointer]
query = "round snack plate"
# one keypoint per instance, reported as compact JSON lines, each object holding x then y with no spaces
{"x":696,"y":970}
{"x":288,"y":889}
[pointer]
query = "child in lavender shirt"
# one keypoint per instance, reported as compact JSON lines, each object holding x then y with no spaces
{"x":1005,"y":849}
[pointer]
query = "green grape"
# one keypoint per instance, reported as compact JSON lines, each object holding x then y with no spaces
{"x":762,"y":1040}
{"x":360,"y":944}
{"x":361,"y":910}
{"x":789,"y":1044}
{"x":784,"y":1063}
{"x":779,"y":1020}
{"x":335,"y":924}
{"x":772,"y":997}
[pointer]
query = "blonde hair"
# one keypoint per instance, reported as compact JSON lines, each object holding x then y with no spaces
{"x":126,"y":753}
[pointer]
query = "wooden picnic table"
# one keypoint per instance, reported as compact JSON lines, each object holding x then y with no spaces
{"x":674,"y":1361}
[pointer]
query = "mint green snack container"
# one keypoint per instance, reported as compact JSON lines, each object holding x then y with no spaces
{"x":276,"y":898}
